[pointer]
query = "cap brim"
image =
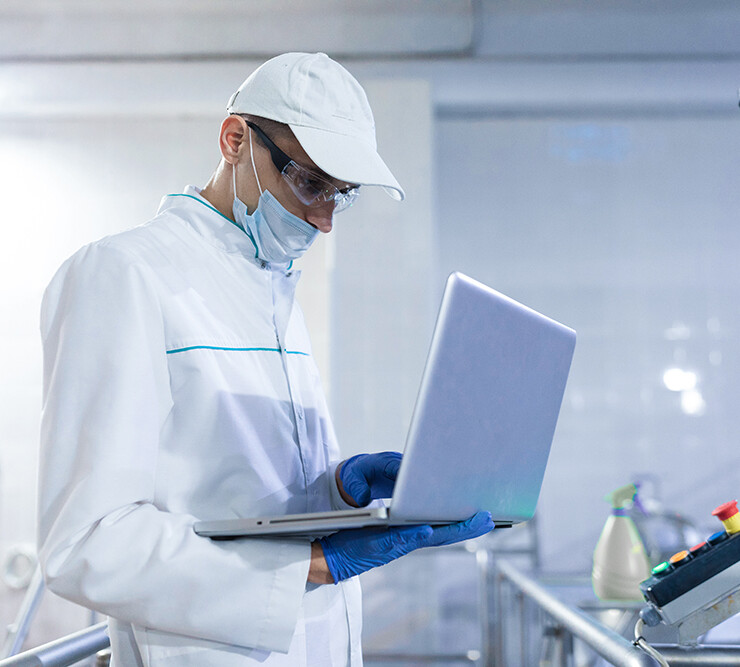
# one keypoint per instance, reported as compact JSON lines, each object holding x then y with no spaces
{"x":347,"y":159}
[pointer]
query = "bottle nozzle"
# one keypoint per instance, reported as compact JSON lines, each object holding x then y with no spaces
{"x":622,"y":496}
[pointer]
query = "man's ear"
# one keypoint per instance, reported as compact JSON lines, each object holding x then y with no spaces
{"x":232,"y":136}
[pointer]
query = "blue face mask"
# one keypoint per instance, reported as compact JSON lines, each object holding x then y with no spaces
{"x":279,"y":236}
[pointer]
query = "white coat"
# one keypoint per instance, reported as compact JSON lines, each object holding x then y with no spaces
{"x":178,"y":386}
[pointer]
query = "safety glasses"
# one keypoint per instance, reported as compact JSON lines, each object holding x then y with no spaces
{"x":310,"y":188}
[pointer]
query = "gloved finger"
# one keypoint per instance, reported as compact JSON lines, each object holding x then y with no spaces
{"x":368,"y":476}
{"x":408,"y":538}
{"x":477,"y":525}
{"x":392,"y":463}
{"x":355,"y":483}
{"x":382,"y":470}
{"x":351,"y":552}
{"x":354,"y":480}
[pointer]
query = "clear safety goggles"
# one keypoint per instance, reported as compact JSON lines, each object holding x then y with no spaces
{"x":310,"y":188}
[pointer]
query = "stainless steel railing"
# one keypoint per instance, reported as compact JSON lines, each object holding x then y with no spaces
{"x":65,"y":651}
{"x":567,"y":623}
{"x":17,"y":631}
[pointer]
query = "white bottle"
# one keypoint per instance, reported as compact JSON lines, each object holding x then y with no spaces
{"x":620,"y":560}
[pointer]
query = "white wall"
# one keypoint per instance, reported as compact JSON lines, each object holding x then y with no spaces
{"x":383,"y":282}
{"x":626,"y":229}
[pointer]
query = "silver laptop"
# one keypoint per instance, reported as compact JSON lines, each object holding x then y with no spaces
{"x":482,"y":426}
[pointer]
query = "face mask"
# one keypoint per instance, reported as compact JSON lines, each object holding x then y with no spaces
{"x":279,"y":236}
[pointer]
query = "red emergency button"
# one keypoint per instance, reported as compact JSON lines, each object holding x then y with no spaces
{"x":724,"y":512}
{"x":728,"y":514}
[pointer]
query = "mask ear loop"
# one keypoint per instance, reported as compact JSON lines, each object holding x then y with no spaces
{"x":233,"y":176}
{"x":251,"y":156}
{"x":254,"y":169}
{"x":233,"y":179}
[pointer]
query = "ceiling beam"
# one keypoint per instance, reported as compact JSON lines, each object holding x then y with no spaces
{"x":86,"y":30}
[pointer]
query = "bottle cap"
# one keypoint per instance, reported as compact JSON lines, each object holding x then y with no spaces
{"x":726,"y":511}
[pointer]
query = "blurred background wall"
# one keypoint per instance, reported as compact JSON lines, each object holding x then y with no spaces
{"x":581,"y":156}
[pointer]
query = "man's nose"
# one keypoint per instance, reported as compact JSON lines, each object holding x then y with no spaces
{"x":322,"y":217}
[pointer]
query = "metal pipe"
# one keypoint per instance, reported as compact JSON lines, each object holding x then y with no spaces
{"x":18,"y":631}
{"x":560,"y":653}
{"x":498,"y":619}
{"x":567,"y":649}
{"x":424,"y":658}
{"x":482,"y":561}
{"x":65,"y":651}
{"x":706,"y":656}
{"x":607,"y":643}
{"x":520,"y":600}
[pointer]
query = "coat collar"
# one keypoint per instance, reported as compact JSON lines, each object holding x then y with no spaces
{"x":214,"y":226}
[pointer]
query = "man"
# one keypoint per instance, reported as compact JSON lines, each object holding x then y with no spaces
{"x":179,"y":385}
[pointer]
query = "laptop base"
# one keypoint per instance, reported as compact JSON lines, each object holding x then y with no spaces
{"x":312,"y":524}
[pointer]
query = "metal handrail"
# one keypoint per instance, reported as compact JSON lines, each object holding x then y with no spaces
{"x":704,"y":656}
{"x":18,"y":631}
{"x":65,"y":651}
{"x":604,"y":641}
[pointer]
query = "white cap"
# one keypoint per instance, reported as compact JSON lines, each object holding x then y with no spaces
{"x":327,"y":110}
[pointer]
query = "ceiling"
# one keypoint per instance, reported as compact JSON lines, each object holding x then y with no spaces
{"x":480,"y":57}
{"x":500,"y":29}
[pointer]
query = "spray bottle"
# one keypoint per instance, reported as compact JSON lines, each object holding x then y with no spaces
{"x":620,"y":560}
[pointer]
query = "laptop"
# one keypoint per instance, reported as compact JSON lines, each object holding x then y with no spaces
{"x":482,"y":426}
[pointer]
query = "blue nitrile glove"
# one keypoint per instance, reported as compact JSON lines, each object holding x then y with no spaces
{"x":351,"y":552}
{"x":369,"y":476}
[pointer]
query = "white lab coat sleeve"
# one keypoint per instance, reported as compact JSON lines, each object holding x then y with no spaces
{"x":103,"y":542}
{"x":336,"y":498}
{"x":337,"y":502}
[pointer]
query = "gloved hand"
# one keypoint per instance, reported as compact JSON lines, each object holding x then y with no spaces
{"x":351,"y":552}
{"x":368,"y":476}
